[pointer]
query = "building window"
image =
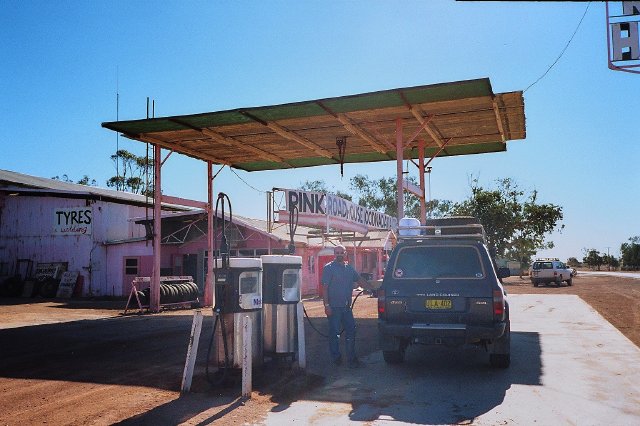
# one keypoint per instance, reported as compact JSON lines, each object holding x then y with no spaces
{"x":131,"y":266}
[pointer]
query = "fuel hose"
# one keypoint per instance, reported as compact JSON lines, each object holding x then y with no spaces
{"x":314,"y":327}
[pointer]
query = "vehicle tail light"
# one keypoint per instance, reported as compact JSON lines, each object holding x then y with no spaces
{"x":498,"y":303}
{"x":555,"y":273}
{"x":381,"y":301}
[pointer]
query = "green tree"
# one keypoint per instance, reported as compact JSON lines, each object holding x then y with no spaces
{"x":84,"y":180}
{"x":381,"y":195}
{"x":515,"y":223}
{"x":133,"y":173}
{"x":321,"y":186}
{"x":630,"y":254}
{"x":573,"y":262}
{"x":610,"y":261}
{"x":593,"y":259}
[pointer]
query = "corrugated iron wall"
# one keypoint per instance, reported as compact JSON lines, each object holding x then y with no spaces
{"x":27,"y":231}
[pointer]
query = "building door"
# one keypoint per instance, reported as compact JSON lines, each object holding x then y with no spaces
{"x":323,"y":259}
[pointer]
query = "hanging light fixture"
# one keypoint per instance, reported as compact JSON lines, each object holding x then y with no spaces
{"x":341,"y":142}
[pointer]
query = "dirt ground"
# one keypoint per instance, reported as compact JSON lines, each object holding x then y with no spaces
{"x":81,"y":362}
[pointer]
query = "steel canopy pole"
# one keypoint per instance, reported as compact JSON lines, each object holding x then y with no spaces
{"x":399,"y":158}
{"x":208,"y":286}
{"x":154,"y":302}
{"x":423,"y":204}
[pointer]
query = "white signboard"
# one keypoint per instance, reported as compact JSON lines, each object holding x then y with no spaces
{"x":72,"y":221}
{"x":67,"y":284}
{"x":327,"y":210}
{"x":623,"y":35}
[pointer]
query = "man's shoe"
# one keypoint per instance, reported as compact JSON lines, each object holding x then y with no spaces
{"x":355,"y":363}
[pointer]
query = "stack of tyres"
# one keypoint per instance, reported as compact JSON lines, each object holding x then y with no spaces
{"x":179,"y":292}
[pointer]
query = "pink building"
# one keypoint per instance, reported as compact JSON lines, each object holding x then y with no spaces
{"x":103,"y":235}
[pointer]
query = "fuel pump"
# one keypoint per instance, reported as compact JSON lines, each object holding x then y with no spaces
{"x":238,"y":293}
{"x":282,"y":278}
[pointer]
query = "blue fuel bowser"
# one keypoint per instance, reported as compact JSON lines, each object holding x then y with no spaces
{"x":281,"y":288}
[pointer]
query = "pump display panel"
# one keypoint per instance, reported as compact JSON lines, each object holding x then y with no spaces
{"x":250,"y":287}
{"x":291,"y":285}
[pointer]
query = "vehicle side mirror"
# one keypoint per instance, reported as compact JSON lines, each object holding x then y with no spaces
{"x":504,"y":273}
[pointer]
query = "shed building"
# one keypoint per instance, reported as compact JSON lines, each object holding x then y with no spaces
{"x":105,"y":235}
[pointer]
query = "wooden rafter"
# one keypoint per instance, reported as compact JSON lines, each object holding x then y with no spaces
{"x":382,"y":147}
{"x":420,"y":129}
{"x":183,"y":149}
{"x":287,"y":134}
{"x":428,"y":126}
{"x":230,"y":142}
{"x":496,"y":110}
{"x":353,"y":128}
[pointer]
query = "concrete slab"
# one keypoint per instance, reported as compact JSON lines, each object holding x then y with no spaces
{"x":569,"y":366}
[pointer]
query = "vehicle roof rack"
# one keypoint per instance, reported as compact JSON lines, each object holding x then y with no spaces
{"x":451,"y":227}
{"x":547,"y":259}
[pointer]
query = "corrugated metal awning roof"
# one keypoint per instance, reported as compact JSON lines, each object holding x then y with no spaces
{"x":20,"y":183}
{"x":466,"y":115}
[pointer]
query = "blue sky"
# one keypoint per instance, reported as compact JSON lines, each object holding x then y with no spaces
{"x":62,"y":62}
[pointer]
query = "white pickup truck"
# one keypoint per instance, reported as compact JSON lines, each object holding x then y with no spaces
{"x":550,"y":270}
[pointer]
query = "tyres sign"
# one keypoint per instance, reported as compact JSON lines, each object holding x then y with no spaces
{"x":72,"y":221}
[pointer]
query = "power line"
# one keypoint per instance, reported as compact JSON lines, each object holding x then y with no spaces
{"x":245,"y":182}
{"x":563,"y":50}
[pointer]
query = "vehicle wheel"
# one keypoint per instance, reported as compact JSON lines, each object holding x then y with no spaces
{"x":535,"y":284}
{"x":500,"y":355}
{"x":500,"y":360}
{"x":393,"y":357}
{"x":570,"y":282}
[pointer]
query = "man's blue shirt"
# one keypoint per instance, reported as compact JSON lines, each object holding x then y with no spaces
{"x":338,"y":279}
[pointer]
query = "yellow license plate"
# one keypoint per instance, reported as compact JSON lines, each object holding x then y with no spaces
{"x":438,"y":304}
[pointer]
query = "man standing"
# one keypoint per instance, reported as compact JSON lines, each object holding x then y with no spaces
{"x":338,"y":279}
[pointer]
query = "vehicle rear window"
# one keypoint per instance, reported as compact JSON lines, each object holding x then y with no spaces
{"x":543,"y":265}
{"x":438,"y":262}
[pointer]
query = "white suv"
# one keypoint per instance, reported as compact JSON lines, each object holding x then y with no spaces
{"x":550,"y":270}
